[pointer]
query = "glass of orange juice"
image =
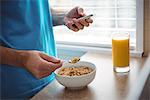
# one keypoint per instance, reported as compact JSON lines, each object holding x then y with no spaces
{"x":120,"y":52}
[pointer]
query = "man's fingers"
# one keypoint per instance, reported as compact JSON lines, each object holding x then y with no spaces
{"x":71,"y":26}
{"x":78,"y":25}
{"x":50,"y":66}
{"x":49,"y":58}
{"x":55,"y":66}
{"x":84,"y":23}
{"x":89,"y":20}
{"x":45,"y":74}
{"x":46,"y":68}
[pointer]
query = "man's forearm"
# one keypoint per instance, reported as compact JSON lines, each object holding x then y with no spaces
{"x":11,"y":57}
{"x":58,"y":17}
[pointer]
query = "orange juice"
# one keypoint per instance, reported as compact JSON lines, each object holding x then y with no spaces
{"x":120,"y":52}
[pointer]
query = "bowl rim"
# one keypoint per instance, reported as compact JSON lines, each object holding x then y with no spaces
{"x":94,"y":70}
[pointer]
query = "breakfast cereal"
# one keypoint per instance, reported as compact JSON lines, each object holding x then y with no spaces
{"x":75,"y":71}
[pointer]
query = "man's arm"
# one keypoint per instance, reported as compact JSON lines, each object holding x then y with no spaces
{"x":11,"y":57}
{"x":58,"y":17}
{"x":36,"y":62}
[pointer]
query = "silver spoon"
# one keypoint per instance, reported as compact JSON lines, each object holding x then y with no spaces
{"x":74,"y":60}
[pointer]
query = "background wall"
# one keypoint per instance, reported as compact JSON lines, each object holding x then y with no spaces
{"x":146,"y":27}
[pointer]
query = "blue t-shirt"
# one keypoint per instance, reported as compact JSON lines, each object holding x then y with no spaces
{"x":25,"y":25}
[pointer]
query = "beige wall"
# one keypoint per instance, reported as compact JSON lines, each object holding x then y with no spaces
{"x":146,"y":27}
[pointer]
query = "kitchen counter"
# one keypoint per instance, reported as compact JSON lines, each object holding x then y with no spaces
{"x":107,"y":84}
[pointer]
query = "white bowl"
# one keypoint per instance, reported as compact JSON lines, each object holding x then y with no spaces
{"x":76,"y":82}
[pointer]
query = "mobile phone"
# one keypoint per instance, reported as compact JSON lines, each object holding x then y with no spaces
{"x":85,"y":17}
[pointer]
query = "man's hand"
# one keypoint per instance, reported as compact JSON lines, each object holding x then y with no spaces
{"x":71,"y":19}
{"x":40,"y":64}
